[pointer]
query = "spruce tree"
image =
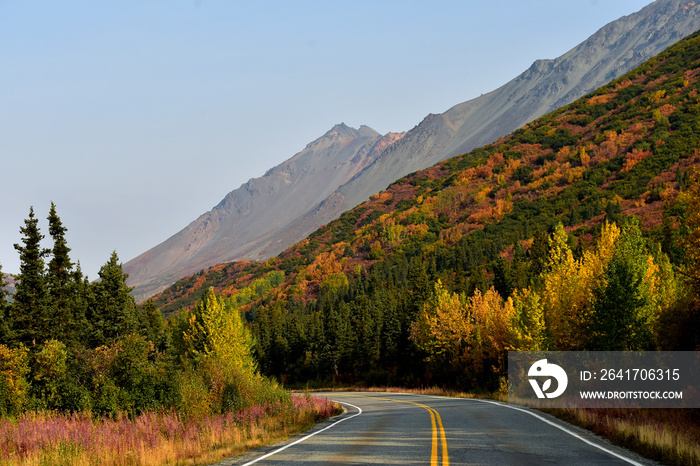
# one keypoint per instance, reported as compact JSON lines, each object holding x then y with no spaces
{"x":30,"y":321}
{"x":112,"y":312}
{"x":59,"y":280}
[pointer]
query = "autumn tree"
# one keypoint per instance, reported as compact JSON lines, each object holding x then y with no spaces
{"x":529,"y":330}
{"x":218,"y":357}
{"x":442,"y":328}
{"x":492,"y":335}
{"x":217,"y":330}
{"x":14,"y":388}
{"x":679,"y":325}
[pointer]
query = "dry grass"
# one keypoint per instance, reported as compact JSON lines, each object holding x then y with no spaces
{"x":153,"y":438}
{"x":671,"y":436}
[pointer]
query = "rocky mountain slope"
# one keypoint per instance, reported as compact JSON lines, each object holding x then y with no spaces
{"x":346,"y":166}
{"x":545,"y":86}
{"x":247,"y":220}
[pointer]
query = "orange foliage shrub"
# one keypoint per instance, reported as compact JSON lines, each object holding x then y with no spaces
{"x":495,"y":160}
{"x":667,"y":109}
{"x":484,"y":171}
{"x":601,"y":99}
{"x":324,"y":264}
{"x":466,"y":176}
{"x":633,"y":158}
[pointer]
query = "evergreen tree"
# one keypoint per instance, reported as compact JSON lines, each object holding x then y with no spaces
{"x":623,"y":306}
{"x":29,"y":317}
{"x":112,"y":311}
{"x":520,"y":267}
{"x":153,"y":325}
{"x":539,"y":252}
{"x":503,"y":279}
{"x":59,"y":281}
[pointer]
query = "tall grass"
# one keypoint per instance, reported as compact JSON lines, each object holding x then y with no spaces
{"x":671,"y":436}
{"x":153,"y":438}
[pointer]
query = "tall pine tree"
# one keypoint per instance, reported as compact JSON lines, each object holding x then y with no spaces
{"x":29,"y":318}
{"x":59,"y":281}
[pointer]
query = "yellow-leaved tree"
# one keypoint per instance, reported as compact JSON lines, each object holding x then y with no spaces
{"x":528,"y":327}
{"x":568,"y":284}
{"x":467,"y":338}
{"x":216,"y":330}
{"x":611,"y":297}
{"x":442,"y":328}
{"x":220,"y":371}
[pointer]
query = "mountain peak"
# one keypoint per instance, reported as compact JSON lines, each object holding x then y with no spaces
{"x":341,"y":129}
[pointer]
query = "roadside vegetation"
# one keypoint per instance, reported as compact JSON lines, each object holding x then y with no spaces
{"x":87,"y":377}
{"x":153,"y":438}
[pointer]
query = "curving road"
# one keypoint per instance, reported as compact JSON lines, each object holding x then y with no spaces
{"x":392,"y":428}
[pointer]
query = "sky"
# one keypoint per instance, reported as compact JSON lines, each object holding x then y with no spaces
{"x":136,"y":117}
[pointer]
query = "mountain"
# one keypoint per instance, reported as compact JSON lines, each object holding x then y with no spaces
{"x":347,"y":166}
{"x":545,"y":86}
{"x":247,"y":220}
{"x":528,"y":213}
{"x":10,"y":284}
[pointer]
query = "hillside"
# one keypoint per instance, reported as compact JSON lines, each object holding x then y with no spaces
{"x":547,"y":85}
{"x":347,"y":301}
{"x":268,"y":214}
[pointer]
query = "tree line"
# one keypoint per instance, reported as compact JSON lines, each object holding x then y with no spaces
{"x":69,"y":344}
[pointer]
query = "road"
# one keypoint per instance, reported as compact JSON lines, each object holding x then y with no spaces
{"x":392,"y":428}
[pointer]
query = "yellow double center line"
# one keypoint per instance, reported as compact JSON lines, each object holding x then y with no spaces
{"x":436,"y":421}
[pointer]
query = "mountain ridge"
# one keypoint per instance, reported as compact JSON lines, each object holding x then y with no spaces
{"x":544,"y":86}
{"x":627,"y":149}
{"x":233,"y":228}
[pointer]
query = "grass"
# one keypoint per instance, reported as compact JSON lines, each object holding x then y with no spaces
{"x":153,"y":438}
{"x":671,"y":436}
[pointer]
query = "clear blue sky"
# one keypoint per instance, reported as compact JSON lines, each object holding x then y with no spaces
{"x":136,"y":117}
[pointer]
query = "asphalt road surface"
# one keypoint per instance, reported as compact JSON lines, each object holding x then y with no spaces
{"x":392,"y":428}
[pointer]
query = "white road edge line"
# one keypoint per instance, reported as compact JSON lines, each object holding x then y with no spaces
{"x":310,"y":435}
{"x":564,"y":429}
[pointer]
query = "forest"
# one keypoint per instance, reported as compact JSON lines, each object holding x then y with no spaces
{"x":72,"y":345}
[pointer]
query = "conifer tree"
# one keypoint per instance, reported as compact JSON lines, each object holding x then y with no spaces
{"x":59,"y":280}
{"x":112,"y":311}
{"x":503,"y":277}
{"x":153,"y":325}
{"x":29,"y":315}
{"x":80,"y":292}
